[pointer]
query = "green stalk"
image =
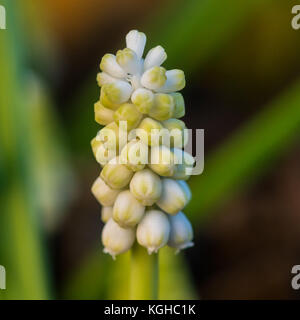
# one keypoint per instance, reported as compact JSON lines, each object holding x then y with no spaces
{"x":144,"y":275}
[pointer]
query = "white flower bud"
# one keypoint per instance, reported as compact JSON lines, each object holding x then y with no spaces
{"x":129,"y":61}
{"x":184,"y":165}
{"x":103,"y":193}
{"x":181,"y":234}
{"x":103,"y":78}
{"x":153,"y":231}
{"x":179,"y":109}
{"x":117,"y":92}
{"x":143,"y":99}
{"x":106,"y":213}
{"x":136,"y":41}
{"x":178,"y":136}
{"x":146,"y":186}
{"x":103,"y":115}
{"x":129,"y":113}
{"x":102,"y":153}
{"x":155,"y":57}
{"x":175,"y":195}
{"x":154,"y":78}
{"x":115,"y":239}
{"x":162,"y":161}
{"x":110,"y":65}
{"x":116,"y":175}
{"x":127,"y":211}
{"x":175,"y":81}
{"x":149,"y":131}
{"x":163,"y":107}
{"x":135,"y":155}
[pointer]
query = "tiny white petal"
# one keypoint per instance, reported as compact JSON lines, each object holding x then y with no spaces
{"x":115,"y":239}
{"x":155,"y":57}
{"x":181,"y":234}
{"x":153,"y":231}
{"x":110,"y":65}
{"x":175,"y":81}
{"x":136,"y":41}
{"x":154,"y":78}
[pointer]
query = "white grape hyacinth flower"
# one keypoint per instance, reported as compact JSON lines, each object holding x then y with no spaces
{"x":181,"y":234}
{"x":153,"y":231}
{"x":116,"y":240}
{"x":128,"y":65}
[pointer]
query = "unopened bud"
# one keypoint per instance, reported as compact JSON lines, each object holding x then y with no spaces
{"x":135,"y":155}
{"x":143,"y":99}
{"x":106,"y":102}
{"x":102,"y":153}
{"x":153,"y":231}
{"x":184,"y":166}
{"x":128,"y":60}
{"x":179,"y":108}
{"x":116,"y":240}
{"x":103,"y":115}
{"x":150,"y":129}
{"x":116,"y":175}
{"x":163,"y":107}
{"x":154,"y":78}
{"x":103,"y":193}
{"x":127,"y":211}
{"x":146,"y":187}
{"x":181,"y":234}
{"x":155,"y":57}
{"x":175,"y":81}
{"x":162,"y":161}
{"x":129,"y":113}
{"x":117,"y":92}
{"x":110,"y":66}
{"x":103,"y":78}
{"x":136,"y":41}
{"x":106,"y":213}
{"x":175,"y":195}
{"x":177,"y":134}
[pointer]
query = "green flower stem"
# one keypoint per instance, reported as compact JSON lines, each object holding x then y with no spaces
{"x":144,"y":275}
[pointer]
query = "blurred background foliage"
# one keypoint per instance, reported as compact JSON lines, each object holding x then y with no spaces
{"x":243,"y":87}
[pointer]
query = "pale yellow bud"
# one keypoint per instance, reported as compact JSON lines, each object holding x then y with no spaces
{"x":127,"y":211}
{"x":181,"y":234}
{"x":106,"y":213}
{"x":154,"y":78}
{"x":103,"y":115}
{"x":178,"y":136}
{"x":116,"y":240}
{"x":135,"y":155}
{"x":129,"y":113}
{"x":116,"y":175}
{"x":146,"y":186}
{"x":110,"y":66}
{"x":117,"y":92}
{"x":143,"y":99}
{"x":175,"y":81}
{"x":163,"y":107}
{"x":175,"y":195}
{"x":153,"y":231}
{"x":103,"y":78}
{"x":106,"y":102}
{"x":113,"y":137}
{"x":103,"y":193}
{"x":179,"y":109}
{"x":162,"y":161}
{"x":102,"y":153}
{"x":150,"y":127}
{"x":129,"y":61}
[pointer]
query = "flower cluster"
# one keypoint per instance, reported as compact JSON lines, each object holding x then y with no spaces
{"x":142,"y":185}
